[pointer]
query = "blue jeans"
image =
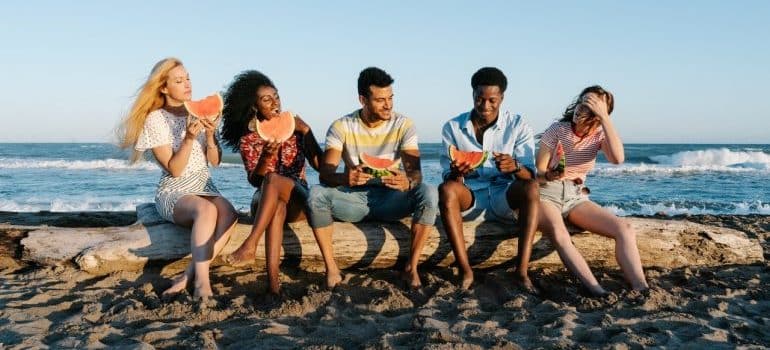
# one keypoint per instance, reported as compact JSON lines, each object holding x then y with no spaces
{"x":354,"y":204}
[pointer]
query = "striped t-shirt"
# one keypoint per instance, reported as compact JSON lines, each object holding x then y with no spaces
{"x":350,"y":135}
{"x":580,"y":153}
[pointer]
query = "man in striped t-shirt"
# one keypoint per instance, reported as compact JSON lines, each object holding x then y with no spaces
{"x":355,"y":194}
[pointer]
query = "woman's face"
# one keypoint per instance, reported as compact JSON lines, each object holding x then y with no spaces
{"x":585,"y":120}
{"x":178,"y":87}
{"x":268,"y":102}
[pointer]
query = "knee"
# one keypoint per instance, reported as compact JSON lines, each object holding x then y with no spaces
{"x":427,"y":195}
{"x":447,"y":192}
{"x":626,"y":232}
{"x":317,"y":198}
{"x":532,"y":189}
{"x":206,"y":211}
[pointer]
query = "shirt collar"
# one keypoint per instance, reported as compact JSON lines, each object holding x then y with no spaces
{"x":502,"y":119}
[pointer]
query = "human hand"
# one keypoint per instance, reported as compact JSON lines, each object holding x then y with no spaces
{"x":459,"y":169}
{"x":193,"y":129}
{"x":357,"y":176}
{"x":597,"y":104}
{"x":397,"y":181}
{"x":271,"y":148}
{"x":505,"y":163}
{"x":554,"y":174}
{"x":210,"y":125}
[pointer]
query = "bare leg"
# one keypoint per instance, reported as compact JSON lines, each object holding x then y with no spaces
{"x":323,"y":236}
{"x":524,"y":196}
{"x":454,"y":197}
{"x":273,"y":242}
{"x":419,"y":235}
{"x":276,"y":189}
{"x":552,"y":225}
{"x":592,"y":217}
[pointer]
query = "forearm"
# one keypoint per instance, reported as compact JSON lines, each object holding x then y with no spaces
{"x":313,"y":151}
{"x":613,"y":145}
{"x":213,"y":151}
{"x":333,"y":179}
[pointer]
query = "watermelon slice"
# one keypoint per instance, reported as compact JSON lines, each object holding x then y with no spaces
{"x":474,"y":159}
{"x":278,"y":128}
{"x":558,"y":160}
{"x":209,"y":107}
{"x":378,"y":167}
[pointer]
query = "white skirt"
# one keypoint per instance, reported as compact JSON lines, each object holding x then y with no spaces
{"x":171,"y":189}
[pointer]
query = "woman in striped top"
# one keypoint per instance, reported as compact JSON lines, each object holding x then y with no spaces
{"x":276,"y":169}
{"x":186,"y":196}
{"x":584,"y":130}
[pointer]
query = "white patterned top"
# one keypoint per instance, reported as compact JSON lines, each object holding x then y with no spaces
{"x":164,"y":128}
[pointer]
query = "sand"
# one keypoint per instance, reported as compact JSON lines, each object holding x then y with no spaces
{"x":62,"y":307}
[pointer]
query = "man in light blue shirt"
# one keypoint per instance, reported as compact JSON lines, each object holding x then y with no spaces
{"x":504,"y":187}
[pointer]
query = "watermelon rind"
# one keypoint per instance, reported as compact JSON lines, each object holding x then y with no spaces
{"x":375,"y":170}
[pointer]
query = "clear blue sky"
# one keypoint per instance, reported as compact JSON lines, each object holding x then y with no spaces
{"x":682,"y":72}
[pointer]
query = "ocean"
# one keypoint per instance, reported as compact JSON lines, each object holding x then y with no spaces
{"x":671,"y":179}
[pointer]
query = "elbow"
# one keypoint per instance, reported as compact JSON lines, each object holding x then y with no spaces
{"x":177,"y":173}
{"x":618,"y":160}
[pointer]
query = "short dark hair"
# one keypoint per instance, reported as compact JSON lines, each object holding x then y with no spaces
{"x":372,"y":76}
{"x":489,"y":76}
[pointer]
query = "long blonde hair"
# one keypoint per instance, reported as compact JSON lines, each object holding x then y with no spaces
{"x":148,"y":99}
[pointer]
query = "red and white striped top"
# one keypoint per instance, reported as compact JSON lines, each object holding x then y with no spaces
{"x":580,"y":153}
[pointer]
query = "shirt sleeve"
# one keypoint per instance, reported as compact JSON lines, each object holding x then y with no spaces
{"x":335,"y":137}
{"x":549,"y":137}
{"x":524,"y":149}
{"x":447,"y":139}
{"x":155,"y":132}
{"x":251,"y":149}
{"x":409,"y":137}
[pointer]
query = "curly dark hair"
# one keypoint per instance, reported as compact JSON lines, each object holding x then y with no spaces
{"x":570,"y":111}
{"x":372,"y":76}
{"x":489,"y":76}
{"x":240,"y":98}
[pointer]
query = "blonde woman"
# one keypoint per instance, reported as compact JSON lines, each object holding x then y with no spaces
{"x":183,"y":147}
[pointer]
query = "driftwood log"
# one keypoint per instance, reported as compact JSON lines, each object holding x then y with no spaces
{"x":664,"y":243}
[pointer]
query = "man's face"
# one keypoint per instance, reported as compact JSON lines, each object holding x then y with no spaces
{"x":380,"y":103}
{"x":487,"y":101}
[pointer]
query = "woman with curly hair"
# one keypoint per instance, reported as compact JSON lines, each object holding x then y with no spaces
{"x":276,"y":169}
{"x":183,"y":147}
{"x":584,"y":130}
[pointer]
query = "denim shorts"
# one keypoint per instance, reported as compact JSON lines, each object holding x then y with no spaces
{"x":490,"y":204}
{"x":564,"y":194}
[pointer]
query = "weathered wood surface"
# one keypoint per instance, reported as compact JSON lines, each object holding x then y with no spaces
{"x":664,"y":243}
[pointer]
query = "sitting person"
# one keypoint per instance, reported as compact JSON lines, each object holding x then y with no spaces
{"x":500,"y":188}
{"x":354,"y":195}
{"x":183,"y":146}
{"x":584,"y":130}
{"x":276,"y":169}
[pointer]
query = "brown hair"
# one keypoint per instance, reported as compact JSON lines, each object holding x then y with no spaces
{"x":608,"y":97}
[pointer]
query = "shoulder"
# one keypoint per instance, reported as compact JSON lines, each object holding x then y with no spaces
{"x":401,"y":119}
{"x":514,"y":120}
{"x":559,"y":126}
{"x":155,"y":116}
{"x":456,"y":123}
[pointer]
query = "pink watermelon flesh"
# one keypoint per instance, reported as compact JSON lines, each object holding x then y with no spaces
{"x":376,"y":163}
{"x":208,"y":107}
{"x":474,"y":159}
{"x":278,"y":128}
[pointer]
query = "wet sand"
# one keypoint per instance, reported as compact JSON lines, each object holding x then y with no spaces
{"x":697,"y":307}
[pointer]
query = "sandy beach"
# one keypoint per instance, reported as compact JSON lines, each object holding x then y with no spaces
{"x":62,"y":307}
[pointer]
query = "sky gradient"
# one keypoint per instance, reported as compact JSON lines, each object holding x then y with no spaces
{"x":681,"y":72}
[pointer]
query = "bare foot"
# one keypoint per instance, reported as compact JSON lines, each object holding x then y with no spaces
{"x":525,"y":283}
{"x":412,"y":278}
{"x":203,"y":292}
{"x":333,"y":278}
{"x":240,"y":257}
{"x":177,"y":285}
{"x":467,"y":280}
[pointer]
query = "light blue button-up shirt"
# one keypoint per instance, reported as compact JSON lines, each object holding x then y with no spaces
{"x":510,"y":135}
